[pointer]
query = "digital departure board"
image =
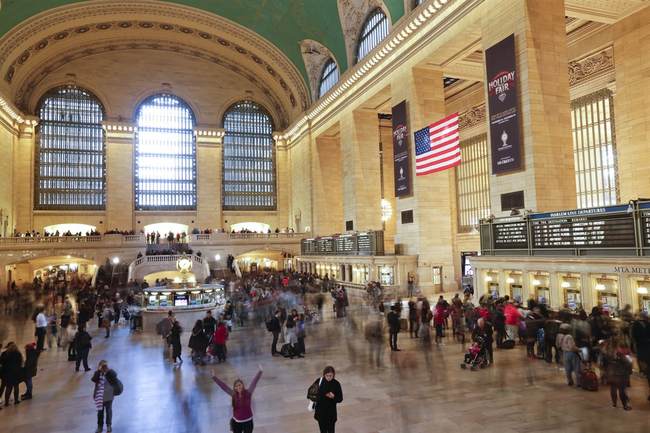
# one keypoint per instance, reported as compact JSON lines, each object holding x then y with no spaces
{"x":364,"y":244}
{"x":645,"y":223}
{"x":510,"y":235}
{"x":611,"y":227}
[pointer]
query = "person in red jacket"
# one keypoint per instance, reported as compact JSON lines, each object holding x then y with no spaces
{"x":219,"y":340}
{"x":439,"y":318}
{"x":513,"y":316}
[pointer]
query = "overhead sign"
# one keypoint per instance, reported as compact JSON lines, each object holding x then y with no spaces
{"x":502,"y":103}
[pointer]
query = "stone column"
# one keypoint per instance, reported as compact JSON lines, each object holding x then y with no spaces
{"x":23,"y":178}
{"x":209,"y":160}
{"x":361,"y":176}
{"x":631,"y":107}
{"x":282,"y":179}
{"x":328,"y":186}
{"x":547,"y":177}
{"x":430,"y":235}
{"x":119,"y":175}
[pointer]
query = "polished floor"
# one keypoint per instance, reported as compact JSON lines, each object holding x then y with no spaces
{"x":414,"y":391}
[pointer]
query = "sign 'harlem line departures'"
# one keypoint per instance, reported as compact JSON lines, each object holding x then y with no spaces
{"x":502,"y":103}
{"x":437,"y":147}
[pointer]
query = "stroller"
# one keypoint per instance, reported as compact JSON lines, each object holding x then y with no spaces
{"x":476,"y":356}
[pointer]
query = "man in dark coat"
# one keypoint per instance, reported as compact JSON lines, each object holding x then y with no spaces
{"x":275,"y":327}
{"x":30,"y":369}
{"x":393,"y":327}
{"x":641,"y":341}
{"x":12,"y":371}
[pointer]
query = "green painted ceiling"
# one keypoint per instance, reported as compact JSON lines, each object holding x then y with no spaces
{"x":282,"y":22}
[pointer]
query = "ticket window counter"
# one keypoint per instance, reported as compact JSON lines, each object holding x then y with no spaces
{"x":492,"y":284}
{"x":514,"y":281}
{"x":643,"y":294}
{"x":572,"y":291}
{"x":607,"y":293}
{"x":387,"y":275}
{"x":540,"y":282}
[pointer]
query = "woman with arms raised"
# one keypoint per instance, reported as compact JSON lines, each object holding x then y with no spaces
{"x":242,"y":398}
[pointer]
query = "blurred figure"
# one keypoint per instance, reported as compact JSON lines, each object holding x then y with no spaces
{"x":274,"y":327}
{"x":641,"y":342}
{"x":483,"y":329}
{"x":12,"y":371}
{"x":30,"y":369}
{"x":619,"y":370}
{"x":175,"y":341}
{"x":82,"y":345}
{"x":374,"y":333}
{"x":219,"y":340}
{"x":41,"y":328}
{"x":570,"y":351}
{"x":413,"y":319}
{"x":198,"y":343}
{"x":300,"y":333}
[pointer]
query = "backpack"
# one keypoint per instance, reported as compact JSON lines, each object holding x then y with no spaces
{"x":589,"y":379}
{"x":312,"y":391}
{"x":118,"y":387}
{"x":269,"y":325}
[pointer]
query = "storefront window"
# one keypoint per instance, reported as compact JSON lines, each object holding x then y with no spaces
{"x":571,"y":288}
{"x":541,"y":285}
{"x":386,"y":275}
{"x":514,"y":283}
{"x":607,"y":293}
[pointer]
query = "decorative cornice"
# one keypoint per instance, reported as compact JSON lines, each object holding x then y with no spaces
{"x":406,"y":31}
{"x":473,"y":117}
{"x":591,"y":66}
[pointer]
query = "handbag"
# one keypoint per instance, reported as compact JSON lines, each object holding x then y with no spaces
{"x":312,"y":394}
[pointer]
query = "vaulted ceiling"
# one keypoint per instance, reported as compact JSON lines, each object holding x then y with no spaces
{"x":284,"y":23}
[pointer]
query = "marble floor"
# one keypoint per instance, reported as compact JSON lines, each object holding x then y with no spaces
{"x":414,"y":391}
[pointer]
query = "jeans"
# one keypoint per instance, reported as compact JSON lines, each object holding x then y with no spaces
{"x":393,"y":340}
{"x":301,"y":345}
{"x":82,"y":355}
{"x":220,"y":350}
{"x":242,"y":427}
{"x":572,"y":365}
{"x":413,"y":328}
{"x":274,"y":345}
{"x":620,"y":388}
{"x":108,"y":408}
{"x":40,"y":338}
{"x":326,"y":426}
{"x":11,"y":387}
{"x":29,"y":385}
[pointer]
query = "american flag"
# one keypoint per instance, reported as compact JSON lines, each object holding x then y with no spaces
{"x":437,"y":147}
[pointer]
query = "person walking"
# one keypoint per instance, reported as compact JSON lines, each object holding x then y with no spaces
{"x":175,"y":340}
{"x":30,"y":369}
{"x":198,"y":343}
{"x":12,"y":370}
{"x":619,"y":370}
{"x":242,"y":411}
{"x":329,"y":395}
{"x":641,"y":342}
{"x":413,"y":319}
{"x":107,"y":319}
{"x":300,"y":334}
{"x":393,"y":327}
{"x":41,"y":328}
{"x":82,"y":346}
{"x":105,"y":380}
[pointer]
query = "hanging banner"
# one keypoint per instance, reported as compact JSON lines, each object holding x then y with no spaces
{"x":401,"y":153}
{"x":502,"y":103}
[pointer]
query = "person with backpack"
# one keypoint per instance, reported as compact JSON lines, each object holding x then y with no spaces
{"x":572,"y":363}
{"x":242,"y":398}
{"x":107,"y":386}
{"x":82,"y":345}
{"x":329,"y":395}
{"x":30,"y":369}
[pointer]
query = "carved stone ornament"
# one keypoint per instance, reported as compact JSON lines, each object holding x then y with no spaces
{"x":315,"y":55}
{"x":353,"y":14}
{"x":588,"y":67}
{"x":472,"y":117}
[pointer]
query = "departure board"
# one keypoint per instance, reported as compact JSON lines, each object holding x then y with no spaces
{"x":589,"y":231}
{"x":645,"y":227}
{"x":365,"y":244}
{"x":510,"y":235}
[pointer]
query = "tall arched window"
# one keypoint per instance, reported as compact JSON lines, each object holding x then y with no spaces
{"x":165,"y":155}
{"x":328,"y":77}
{"x":374,"y":30}
{"x":248,"y":159}
{"x":70,"y":151}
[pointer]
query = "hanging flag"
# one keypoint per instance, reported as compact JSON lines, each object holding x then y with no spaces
{"x":437,"y":147}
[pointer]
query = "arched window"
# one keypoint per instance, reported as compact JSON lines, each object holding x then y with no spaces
{"x":374,"y":30}
{"x":417,"y":3}
{"x":328,"y":78}
{"x":70,"y":151}
{"x":165,"y":155}
{"x":248,"y":159}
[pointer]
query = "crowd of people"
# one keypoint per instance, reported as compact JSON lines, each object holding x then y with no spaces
{"x":287,"y":303}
